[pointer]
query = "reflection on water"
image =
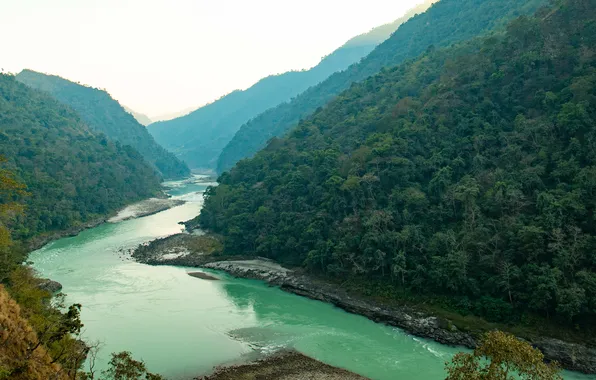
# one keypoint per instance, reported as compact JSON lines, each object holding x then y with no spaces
{"x":331,"y":335}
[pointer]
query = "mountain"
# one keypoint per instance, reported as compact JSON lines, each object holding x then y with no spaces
{"x":104,"y":114}
{"x":73,"y":174}
{"x":466,"y":176}
{"x":446,"y":22}
{"x":199,"y":137}
{"x":141,"y":118}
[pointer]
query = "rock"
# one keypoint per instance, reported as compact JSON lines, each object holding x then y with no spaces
{"x":571,"y":356}
{"x":259,"y":269}
{"x":181,"y":249}
{"x":50,"y":285}
{"x":203,"y":275}
{"x":289,"y":365}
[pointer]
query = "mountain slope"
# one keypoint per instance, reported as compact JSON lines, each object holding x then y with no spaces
{"x":199,"y":137}
{"x":467,"y":175}
{"x":73,"y":174}
{"x":141,"y":118}
{"x":446,"y":22}
{"x":106,"y":115}
{"x":17,"y":360}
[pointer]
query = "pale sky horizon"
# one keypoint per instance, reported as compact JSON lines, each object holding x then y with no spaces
{"x":163,"y":56}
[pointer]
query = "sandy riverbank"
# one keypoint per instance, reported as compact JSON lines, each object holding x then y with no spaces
{"x":145,"y":208}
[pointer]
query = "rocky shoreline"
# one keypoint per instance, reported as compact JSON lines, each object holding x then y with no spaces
{"x":42,"y":240}
{"x":571,"y":356}
{"x":50,"y":285}
{"x":287,"y":365}
{"x":181,"y":249}
{"x":414,"y":322}
{"x":204,"y":251}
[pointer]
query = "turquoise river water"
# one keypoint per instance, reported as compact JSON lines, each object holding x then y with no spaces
{"x":183,"y":326}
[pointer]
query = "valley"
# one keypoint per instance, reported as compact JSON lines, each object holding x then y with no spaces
{"x":417,"y":204}
{"x":202,"y":323}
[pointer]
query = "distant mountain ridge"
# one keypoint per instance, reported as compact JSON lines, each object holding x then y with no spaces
{"x":104,"y":114}
{"x":199,"y":137}
{"x":141,"y":118}
{"x":446,"y":22}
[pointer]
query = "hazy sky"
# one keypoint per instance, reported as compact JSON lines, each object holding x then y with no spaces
{"x":162,"y":56}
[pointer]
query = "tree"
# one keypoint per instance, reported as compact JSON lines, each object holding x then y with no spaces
{"x":9,"y":189}
{"x":123,"y":367}
{"x":501,"y":356}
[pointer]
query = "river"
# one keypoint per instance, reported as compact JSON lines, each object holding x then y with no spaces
{"x":183,"y":326}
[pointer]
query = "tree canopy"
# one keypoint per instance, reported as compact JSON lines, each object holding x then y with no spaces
{"x":445,"y":23}
{"x":72,"y":174}
{"x":501,"y":356}
{"x":105,"y":115}
{"x":467,"y":173}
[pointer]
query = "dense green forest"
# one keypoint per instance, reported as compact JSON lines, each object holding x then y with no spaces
{"x":446,"y":22}
{"x":41,"y":335}
{"x":72,"y":174}
{"x":104,"y":114}
{"x":199,"y":137}
{"x":468,"y":173}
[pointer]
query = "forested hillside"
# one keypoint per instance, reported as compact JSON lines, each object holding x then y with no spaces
{"x":72,"y":174}
{"x":467,"y":173}
{"x":199,"y":137}
{"x":104,"y":114}
{"x":446,"y":22}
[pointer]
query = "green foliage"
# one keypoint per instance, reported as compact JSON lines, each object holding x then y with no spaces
{"x":199,"y":137}
{"x":123,"y":367}
{"x":502,"y":356}
{"x":9,"y":209}
{"x":105,"y":115}
{"x":57,"y":328}
{"x":72,"y":174}
{"x":4,"y":373}
{"x":445,"y":23}
{"x":467,"y":173}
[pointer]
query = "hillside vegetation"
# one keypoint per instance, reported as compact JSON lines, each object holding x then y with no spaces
{"x":468,"y":173}
{"x":105,"y":115}
{"x":72,"y":174}
{"x":446,"y":22}
{"x":199,"y":137}
{"x":17,"y":338}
